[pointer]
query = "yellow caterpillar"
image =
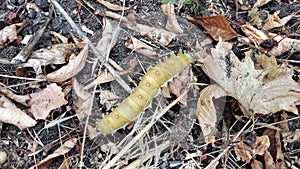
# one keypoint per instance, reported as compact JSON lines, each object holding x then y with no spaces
{"x":143,"y":94}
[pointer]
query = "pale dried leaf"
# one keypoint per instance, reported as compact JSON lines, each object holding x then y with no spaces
{"x":108,"y":98}
{"x":257,"y":37}
{"x":8,"y":34}
{"x":260,"y":3}
{"x":261,"y":145}
{"x":55,"y":55}
{"x":48,"y":99}
{"x":206,"y":112}
{"x":172,"y":24}
{"x":274,"y":21}
{"x":63,"y":39}
{"x":163,"y":37}
{"x":23,"y":99}
{"x":75,"y":65}
{"x":291,"y":136}
{"x":243,"y":151}
{"x":62,"y":150}
{"x":10,"y":113}
{"x":141,"y":48}
{"x":112,"y":6}
{"x":241,"y":81}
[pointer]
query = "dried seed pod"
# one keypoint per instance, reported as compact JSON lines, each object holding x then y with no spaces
{"x":143,"y":94}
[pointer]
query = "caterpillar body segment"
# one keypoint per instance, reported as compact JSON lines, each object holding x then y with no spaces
{"x":142,"y":96}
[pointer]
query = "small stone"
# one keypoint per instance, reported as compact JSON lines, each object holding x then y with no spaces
{"x":3,"y":156}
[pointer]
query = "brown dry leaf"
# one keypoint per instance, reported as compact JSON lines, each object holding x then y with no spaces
{"x":257,"y":164}
{"x":10,"y":113}
{"x":75,"y":65}
{"x":23,"y":99}
{"x":274,"y":21}
{"x":142,"y":48}
{"x":206,"y":112}
{"x":241,"y":81}
{"x":112,"y":6}
{"x":216,"y":26}
{"x":48,"y":99}
{"x":57,"y":54}
{"x":62,"y":150}
{"x":172,"y":24}
{"x":269,"y":64}
{"x":178,"y":85}
{"x":108,"y":98}
{"x":269,"y":161}
{"x":260,"y":3}
{"x":257,"y":37}
{"x":247,"y":153}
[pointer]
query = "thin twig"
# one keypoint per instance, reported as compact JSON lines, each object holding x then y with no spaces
{"x":92,"y":46}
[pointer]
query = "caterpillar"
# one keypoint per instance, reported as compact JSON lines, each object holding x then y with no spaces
{"x":148,"y":88}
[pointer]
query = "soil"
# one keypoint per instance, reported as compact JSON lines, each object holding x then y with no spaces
{"x":186,"y":136}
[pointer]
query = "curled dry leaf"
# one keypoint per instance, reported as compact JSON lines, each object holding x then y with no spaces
{"x":8,"y":34}
{"x":256,"y":36}
{"x":260,"y":3}
{"x":274,"y":21}
{"x":269,"y":161}
{"x":216,"y":26}
{"x":172,"y":24}
{"x":247,"y":153}
{"x":23,"y":99}
{"x":206,"y":112}
{"x":241,"y":81}
{"x":178,"y":86}
{"x":75,"y":65}
{"x":112,"y":6}
{"x":257,"y":164}
{"x":48,"y":99}
{"x":62,"y":150}
{"x":142,"y":48}
{"x":10,"y":113}
{"x":55,"y":55}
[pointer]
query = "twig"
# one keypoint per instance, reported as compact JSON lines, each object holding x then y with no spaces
{"x":26,"y":51}
{"x":94,"y":49}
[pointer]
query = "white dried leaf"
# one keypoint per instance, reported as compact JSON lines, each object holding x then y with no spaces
{"x":241,"y":81}
{"x":172,"y":24}
{"x":206,"y":112}
{"x":274,"y":21}
{"x":10,"y":113}
{"x":260,"y":3}
{"x":142,"y":48}
{"x":8,"y":34}
{"x":75,"y":65}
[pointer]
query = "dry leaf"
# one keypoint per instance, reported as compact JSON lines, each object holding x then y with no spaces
{"x":178,"y":85}
{"x":247,"y":153}
{"x":48,"y":99}
{"x":141,"y":48}
{"x":55,"y":55}
{"x":23,"y":99}
{"x":75,"y":65}
{"x":62,"y":150}
{"x":269,"y":161}
{"x":216,"y":26}
{"x":108,"y":98}
{"x":274,"y":21}
{"x":206,"y":112}
{"x":9,"y":34}
{"x":260,"y":3}
{"x":241,"y":81}
{"x":172,"y":24}
{"x":112,"y":6}
{"x":257,"y":164}
{"x":10,"y":113}
{"x":256,"y":36}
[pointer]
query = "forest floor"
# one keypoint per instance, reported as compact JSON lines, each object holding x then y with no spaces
{"x":65,"y":64}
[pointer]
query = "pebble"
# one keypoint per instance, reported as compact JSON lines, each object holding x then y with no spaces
{"x":3,"y":156}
